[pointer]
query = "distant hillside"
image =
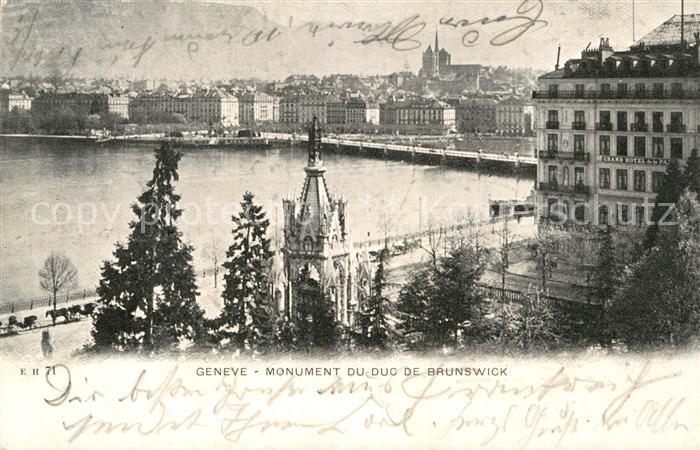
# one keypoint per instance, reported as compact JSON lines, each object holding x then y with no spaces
{"x":150,"y":39}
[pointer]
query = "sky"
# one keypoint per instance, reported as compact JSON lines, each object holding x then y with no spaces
{"x":324,"y":37}
{"x":571,"y":24}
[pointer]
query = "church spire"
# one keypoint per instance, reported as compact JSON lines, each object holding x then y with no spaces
{"x":437,"y":49}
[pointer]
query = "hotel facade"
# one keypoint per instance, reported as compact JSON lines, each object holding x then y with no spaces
{"x":609,"y":124}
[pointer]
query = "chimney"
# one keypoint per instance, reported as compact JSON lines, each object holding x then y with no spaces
{"x":556,"y":66}
{"x":605,"y":50}
{"x":697,"y":47}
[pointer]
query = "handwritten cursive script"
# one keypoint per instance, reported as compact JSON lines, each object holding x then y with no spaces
{"x":526,"y":18}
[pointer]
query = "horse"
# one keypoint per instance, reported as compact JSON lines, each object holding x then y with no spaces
{"x":62,"y":312}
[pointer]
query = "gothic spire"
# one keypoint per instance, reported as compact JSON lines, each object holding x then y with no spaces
{"x":314,"y":144}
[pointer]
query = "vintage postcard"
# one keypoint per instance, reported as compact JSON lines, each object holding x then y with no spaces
{"x":349,"y":224}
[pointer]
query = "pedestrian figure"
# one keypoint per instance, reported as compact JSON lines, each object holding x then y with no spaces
{"x":46,"y":347}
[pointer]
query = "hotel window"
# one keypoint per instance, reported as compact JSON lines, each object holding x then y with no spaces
{"x":552,"y":174}
{"x":579,"y":90}
{"x":676,"y":122}
{"x":640,"y":181}
{"x":658,"y":89}
{"x":657,"y":179}
{"x":554,"y":90}
{"x":603,"y":215}
{"x":604,"y":147}
{"x":640,"y":215}
{"x":605,"y":88}
{"x":657,"y":147}
{"x":640,"y":146}
{"x":580,"y":212}
{"x":579,"y":120}
{"x":677,"y":148}
{"x":657,"y":122}
{"x":640,"y":89}
{"x":553,"y":115}
{"x":622,"y":89}
{"x":604,"y":117}
{"x":604,"y":178}
{"x":621,"y":146}
{"x":640,"y":120}
{"x":622,"y":121}
{"x":621,"y":175}
{"x":552,"y":142}
{"x":676,"y":89}
{"x":578,"y":176}
{"x":579,"y":143}
{"x":623,"y":213}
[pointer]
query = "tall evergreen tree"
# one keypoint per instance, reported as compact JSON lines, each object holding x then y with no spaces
{"x":413,"y":302}
{"x":691,"y":174}
{"x":669,"y":193}
{"x":660,"y":301}
{"x":148,"y":293}
{"x":605,"y":280}
{"x":442,"y":301}
{"x":375,"y":319}
{"x":247,"y":318}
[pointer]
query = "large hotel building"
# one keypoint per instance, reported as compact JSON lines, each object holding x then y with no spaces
{"x":609,"y":123}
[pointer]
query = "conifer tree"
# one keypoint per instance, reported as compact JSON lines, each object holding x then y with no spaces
{"x":691,"y":174}
{"x":375,"y":319}
{"x":247,"y":319}
{"x":148,"y":293}
{"x":669,"y":193}
{"x":413,"y":302}
{"x":441,"y":301}
{"x":605,"y":279}
{"x":660,"y":300}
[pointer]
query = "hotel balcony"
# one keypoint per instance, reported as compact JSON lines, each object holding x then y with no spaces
{"x":642,"y":127}
{"x":604,"y":126}
{"x":565,"y":189}
{"x":676,"y":128}
{"x":669,"y":94}
{"x":552,"y":125}
{"x":578,"y":125}
{"x":554,"y":154}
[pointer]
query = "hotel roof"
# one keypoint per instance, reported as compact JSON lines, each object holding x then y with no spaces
{"x":669,"y":32}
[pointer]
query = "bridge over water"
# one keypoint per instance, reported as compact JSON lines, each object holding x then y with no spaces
{"x":349,"y":145}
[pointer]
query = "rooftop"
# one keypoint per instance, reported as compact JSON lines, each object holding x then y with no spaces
{"x":669,"y":32}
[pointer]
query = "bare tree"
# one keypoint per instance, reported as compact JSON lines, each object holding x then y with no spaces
{"x":58,"y":274}
{"x":214,"y":251}
{"x":505,"y":243}
{"x":435,"y":236}
{"x":547,"y":247}
{"x":385,"y":220}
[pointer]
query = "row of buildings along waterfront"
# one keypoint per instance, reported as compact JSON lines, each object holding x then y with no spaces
{"x":468,"y":114}
{"x":609,"y":123}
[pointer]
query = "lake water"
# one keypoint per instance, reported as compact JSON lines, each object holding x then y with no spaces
{"x":76,"y":199}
